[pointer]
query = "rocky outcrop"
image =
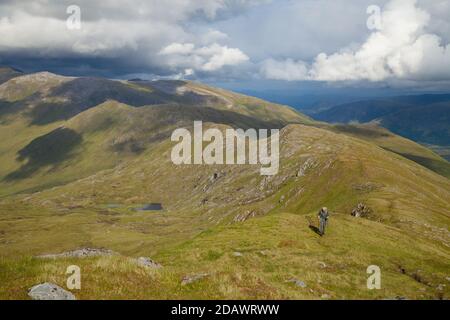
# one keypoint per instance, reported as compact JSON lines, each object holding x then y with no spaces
{"x":309,"y":164}
{"x":242,"y":217}
{"x":80,"y":253}
{"x":148,"y":263}
{"x":49,"y":291}
{"x":298,"y":283}
{"x":361,"y":211}
{"x":193,"y":278}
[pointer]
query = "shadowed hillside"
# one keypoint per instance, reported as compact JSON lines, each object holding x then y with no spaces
{"x":7,"y":73}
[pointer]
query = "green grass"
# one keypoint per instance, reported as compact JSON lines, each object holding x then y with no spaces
{"x":399,"y":145}
{"x":87,"y":197}
{"x":407,"y":230}
{"x":287,"y":250}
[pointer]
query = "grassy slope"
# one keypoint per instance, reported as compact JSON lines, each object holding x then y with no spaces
{"x":124,"y":159}
{"x":253,"y":107}
{"x":287,"y":249}
{"x":110,"y":133}
{"x":408,"y":229}
{"x":399,"y":145}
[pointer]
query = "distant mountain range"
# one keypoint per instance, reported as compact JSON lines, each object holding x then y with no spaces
{"x":422,"y":118}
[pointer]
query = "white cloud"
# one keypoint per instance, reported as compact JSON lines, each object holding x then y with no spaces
{"x":206,"y":58}
{"x":178,"y":48}
{"x":291,"y":40}
{"x":225,"y":56}
{"x":288,"y":69}
{"x":402,"y":49}
{"x":113,"y":29}
{"x":212,"y":35}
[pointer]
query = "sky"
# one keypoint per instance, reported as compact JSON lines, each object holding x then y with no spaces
{"x":292,"y":45}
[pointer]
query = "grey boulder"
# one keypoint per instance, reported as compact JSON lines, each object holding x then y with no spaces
{"x":148,"y":263}
{"x":49,"y":291}
{"x":193,"y":278}
{"x":298,"y":283}
{"x":79,"y":253}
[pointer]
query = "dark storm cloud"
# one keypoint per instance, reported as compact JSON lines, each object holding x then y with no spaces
{"x":218,"y":40}
{"x":131,"y":34}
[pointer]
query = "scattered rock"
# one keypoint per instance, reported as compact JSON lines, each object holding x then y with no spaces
{"x":366,"y":187}
{"x":309,"y":164}
{"x":193,"y":278}
{"x":264,"y":184}
{"x":237,"y":254}
{"x":148,"y":263}
{"x":242,"y":217}
{"x":441,"y":287}
{"x":361,"y":211}
{"x":80,"y":253}
{"x":212,"y":180}
{"x":49,"y":291}
{"x":214,"y":177}
{"x":298,"y":283}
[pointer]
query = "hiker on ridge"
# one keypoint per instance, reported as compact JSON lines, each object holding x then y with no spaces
{"x":323,"y":220}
